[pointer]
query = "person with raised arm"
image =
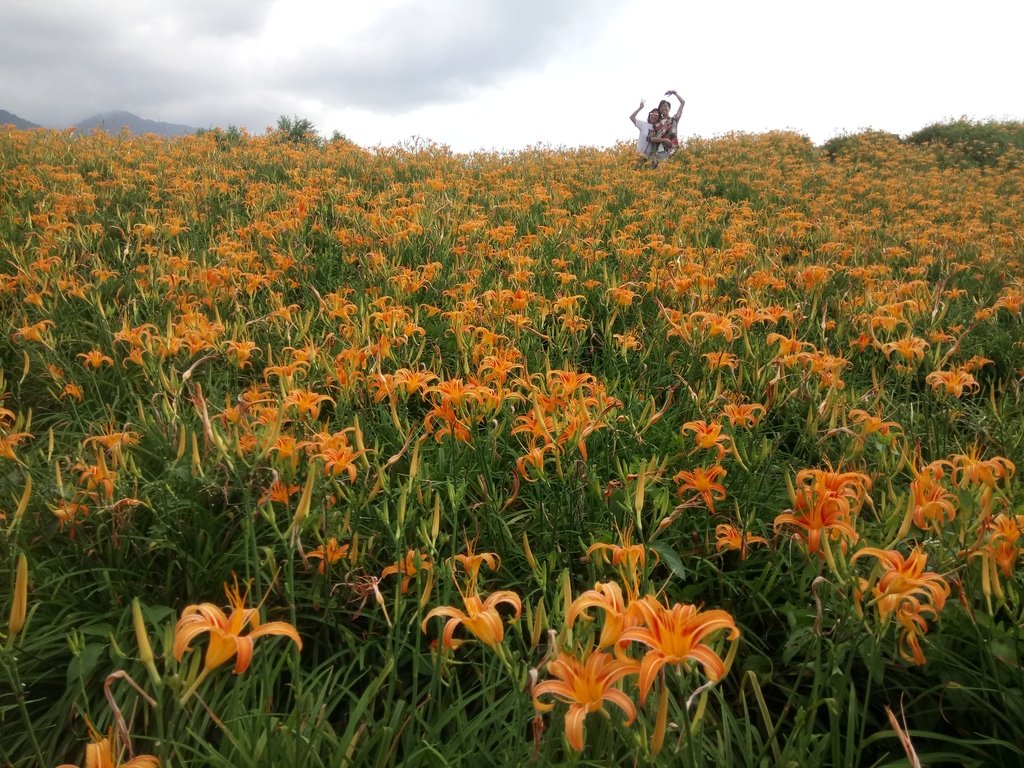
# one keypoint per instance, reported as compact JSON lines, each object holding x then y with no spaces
{"x":644,"y":146}
{"x":664,"y":133}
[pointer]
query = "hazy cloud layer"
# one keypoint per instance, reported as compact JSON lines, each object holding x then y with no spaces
{"x":417,"y":56}
{"x":381,"y":71}
{"x":243,"y":62}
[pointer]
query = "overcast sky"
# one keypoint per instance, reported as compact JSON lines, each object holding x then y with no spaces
{"x":507,"y":74}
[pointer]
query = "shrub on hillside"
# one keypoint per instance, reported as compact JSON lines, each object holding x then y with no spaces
{"x":298,"y":130}
{"x":966,"y":143}
{"x":854,"y":145}
{"x":232,"y":136}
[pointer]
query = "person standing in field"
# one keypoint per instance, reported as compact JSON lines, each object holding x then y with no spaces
{"x":644,"y":145}
{"x":665,"y":130}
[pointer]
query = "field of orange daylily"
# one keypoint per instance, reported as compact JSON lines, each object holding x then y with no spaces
{"x":314,"y":455}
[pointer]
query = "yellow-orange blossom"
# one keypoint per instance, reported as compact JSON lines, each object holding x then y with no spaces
{"x":226,"y":638}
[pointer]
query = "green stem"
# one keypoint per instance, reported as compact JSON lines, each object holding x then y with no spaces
{"x":12,"y":675}
{"x":195,"y":685}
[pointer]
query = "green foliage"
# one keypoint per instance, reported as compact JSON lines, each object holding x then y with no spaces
{"x":959,"y":143}
{"x":974,"y":143}
{"x":226,"y":138}
{"x":296,"y":130}
{"x":859,"y":147}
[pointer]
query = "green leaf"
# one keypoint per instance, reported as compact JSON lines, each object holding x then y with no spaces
{"x":670,"y":558}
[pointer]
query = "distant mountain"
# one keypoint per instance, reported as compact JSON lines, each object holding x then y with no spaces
{"x":8,"y":118}
{"x":115,"y":122}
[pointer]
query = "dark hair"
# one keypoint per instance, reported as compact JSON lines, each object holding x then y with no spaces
{"x":653,"y":112}
{"x":665,"y":103}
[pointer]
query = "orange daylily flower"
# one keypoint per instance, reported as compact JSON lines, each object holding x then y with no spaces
{"x":903,"y":576}
{"x":455,"y":392}
{"x":1004,"y":533}
{"x":913,"y":626}
{"x":414,"y":381}
{"x":628,"y":559}
{"x":729,"y":537}
{"x":383,"y":385}
{"x":481,"y":618}
{"x":100,"y":754}
{"x":621,"y":296}
{"x":976,"y":363}
{"x":329,"y":553}
{"x":676,"y":635}
{"x":954,"y":383}
{"x":279,"y":492}
{"x":998,"y":547}
{"x":73,"y":391}
{"x":788,"y":345}
{"x":910,"y":349}
{"x":240,"y":352}
{"x":719,"y":360}
{"x":585,"y":686}
{"x":871,"y":424}
{"x":717,"y":325}
{"x":306,"y":402}
{"x":825,"y":501}
{"x":35,"y":332}
{"x":904,"y":590}
{"x":225,"y":631}
{"x":930,"y":504}
{"x":704,"y":482}
{"x":618,"y":617}
{"x":773,"y":315}
{"x":451,"y":424}
{"x":627,"y":342}
{"x":414,"y":562}
{"x":471,"y":562}
{"x":94,"y":358}
{"x":96,"y":478}
{"x":970,"y":468}
{"x":708,"y":436}
{"x":535,"y":458}
{"x":9,"y":442}
{"x":340,"y":459}
{"x":743,"y":415}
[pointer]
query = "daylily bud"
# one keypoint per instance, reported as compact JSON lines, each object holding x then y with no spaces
{"x":23,"y":502}
{"x":641,"y":487}
{"x":19,"y":605}
{"x":181,"y":443}
{"x":414,"y":463}
{"x":302,"y":510}
{"x":530,"y":559}
{"x":435,"y":525}
{"x":197,"y":459}
{"x":357,"y":433}
{"x":142,"y":638}
{"x":539,"y":620}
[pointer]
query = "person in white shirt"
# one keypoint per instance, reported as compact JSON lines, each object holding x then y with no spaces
{"x":644,"y":145}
